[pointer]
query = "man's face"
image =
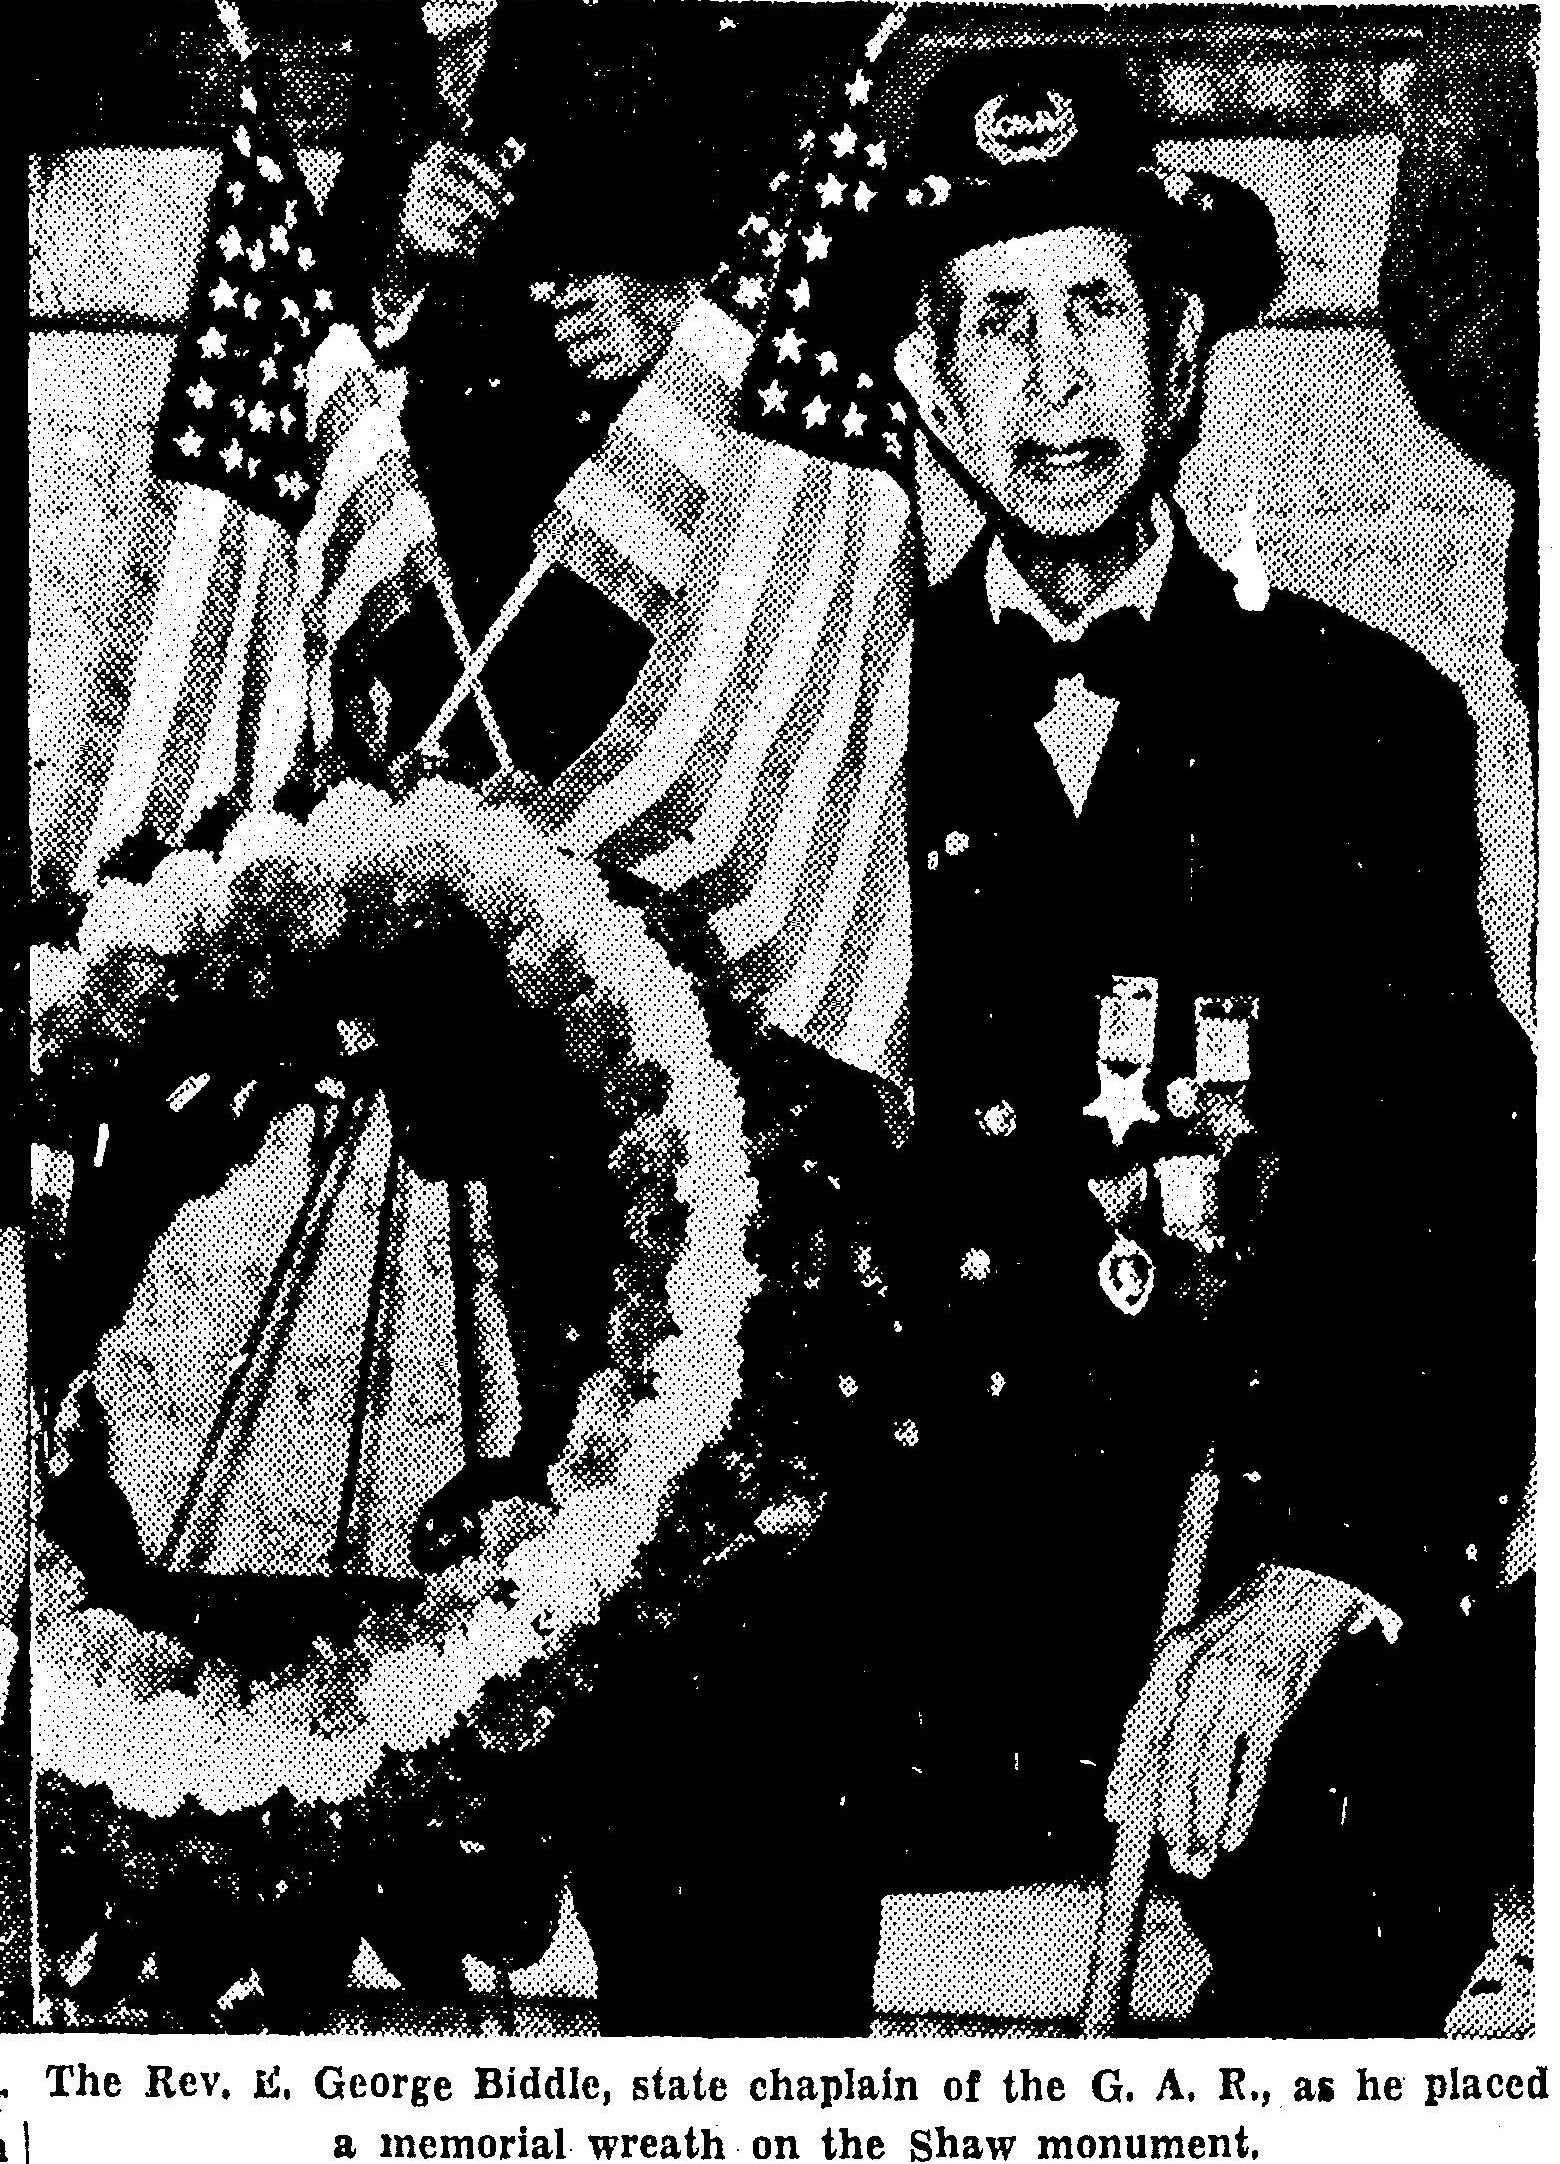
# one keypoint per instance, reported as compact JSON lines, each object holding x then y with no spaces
{"x":1051,"y":374}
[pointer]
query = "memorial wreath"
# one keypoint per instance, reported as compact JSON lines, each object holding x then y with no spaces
{"x":157,"y":1758}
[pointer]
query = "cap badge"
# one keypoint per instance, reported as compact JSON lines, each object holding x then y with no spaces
{"x":1016,"y":138}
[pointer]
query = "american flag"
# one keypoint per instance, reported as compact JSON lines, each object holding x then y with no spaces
{"x":757,"y":768}
{"x":282,"y":533}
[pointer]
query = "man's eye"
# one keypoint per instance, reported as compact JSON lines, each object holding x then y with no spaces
{"x":1100,"y":302}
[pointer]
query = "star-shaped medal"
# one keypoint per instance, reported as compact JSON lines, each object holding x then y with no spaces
{"x":1120,"y":1103}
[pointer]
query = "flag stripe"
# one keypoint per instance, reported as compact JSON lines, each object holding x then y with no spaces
{"x":792,"y":709}
{"x":639,"y":466}
{"x":200,"y":521}
{"x":589,"y":556}
{"x":744,"y":551}
{"x":877,"y":1037}
{"x":840,"y":894}
{"x":682,"y":435}
{"x":867,"y":926}
{"x":655,"y":688}
{"x":832,"y":764}
{"x":785,"y":626}
{"x":597,"y":499}
{"x":204,"y":674}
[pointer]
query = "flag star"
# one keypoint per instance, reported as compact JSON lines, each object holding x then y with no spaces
{"x":231,"y":456}
{"x":223,"y":295}
{"x":750,"y":291}
{"x":864,"y":195}
{"x":201,"y":394}
{"x":305,"y":258}
{"x":260,"y":417}
{"x":268,"y":370}
{"x":322,"y":300}
{"x":801,"y":293}
{"x":774,"y":398}
{"x":282,"y":488}
{"x":238,"y":406}
{"x":280,"y":243}
{"x":877,"y":154}
{"x":287,"y":417}
{"x":939,"y":188}
{"x":247,"y":100}
{"x":754,"y":222}
{"x":189,"y":443}
{"x":303,"y":326}
{"x":789,"y":346}
{"x":831,"y":191}
{"x":257,"y":257}
{"x":290,"y":214}
{"x":230,"y":242}
{"x":295,"y":485}
{"x":859,"y":89}
{"x":808,"y":138}
{"x":235,"y":189}
{"x":298,"y":377}
{"x":290,"y":306}
{"x":891,"y":443}
{"x":815,"y":412}
{"x":269,"y":168}
{"x":863,"y":383}
{"x":915,"y":197}
{"x":827,"y":364}
{"x":253,"y":465}
{"x":816,"y":244}
{"x":542,"y":289}
{"x":241,"y":141}
{"x":251,"y":305}
{"x":896,"y":412}
{"x":854,"y":420}
{"x":844,"y":143}
{"x":212,"y":343}
{"x":775,"y":245}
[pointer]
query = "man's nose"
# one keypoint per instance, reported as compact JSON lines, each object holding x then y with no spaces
{"x":1056,"y":365}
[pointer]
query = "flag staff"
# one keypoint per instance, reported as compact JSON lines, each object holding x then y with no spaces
{"x":469,"y":683}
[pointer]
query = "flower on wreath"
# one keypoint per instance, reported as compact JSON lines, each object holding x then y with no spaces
{"x":113,"y":918}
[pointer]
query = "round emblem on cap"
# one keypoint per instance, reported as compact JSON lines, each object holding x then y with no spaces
{"x":1017,"y":138}
{"x":999,"y":1119}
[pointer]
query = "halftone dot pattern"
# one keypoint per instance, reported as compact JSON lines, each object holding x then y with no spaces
{"x":1324,"y":444}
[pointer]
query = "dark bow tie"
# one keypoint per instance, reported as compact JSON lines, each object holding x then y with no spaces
{"x":1111,"y":656}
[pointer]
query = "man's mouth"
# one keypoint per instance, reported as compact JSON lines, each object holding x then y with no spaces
{"x":1062,"y":458}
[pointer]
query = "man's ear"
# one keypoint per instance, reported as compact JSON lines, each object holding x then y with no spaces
{"x":1186,"y":360}
{"x":915,"y":364}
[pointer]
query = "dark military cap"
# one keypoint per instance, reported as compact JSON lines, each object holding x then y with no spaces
{"x":1025,"y":141}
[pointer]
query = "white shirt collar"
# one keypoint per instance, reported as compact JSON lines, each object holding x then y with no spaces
{"x":1137,"y":588}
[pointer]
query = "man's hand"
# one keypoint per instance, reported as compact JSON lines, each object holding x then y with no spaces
{"x":613,"y":326}
{"x":1205,"y":1723}
{"x":452,"y":198}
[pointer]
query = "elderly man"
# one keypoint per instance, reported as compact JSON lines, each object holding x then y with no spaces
{"x":1218,"y":1123}
{"x":1219,"y":1139}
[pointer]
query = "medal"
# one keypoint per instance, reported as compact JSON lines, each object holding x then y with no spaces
{"x":1188,"y":1191}
{"x":1127,"y":1275}
{"x":1124,"y":1054}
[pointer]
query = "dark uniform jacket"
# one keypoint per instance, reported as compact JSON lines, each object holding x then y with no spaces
{"x":1283,"y":813}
